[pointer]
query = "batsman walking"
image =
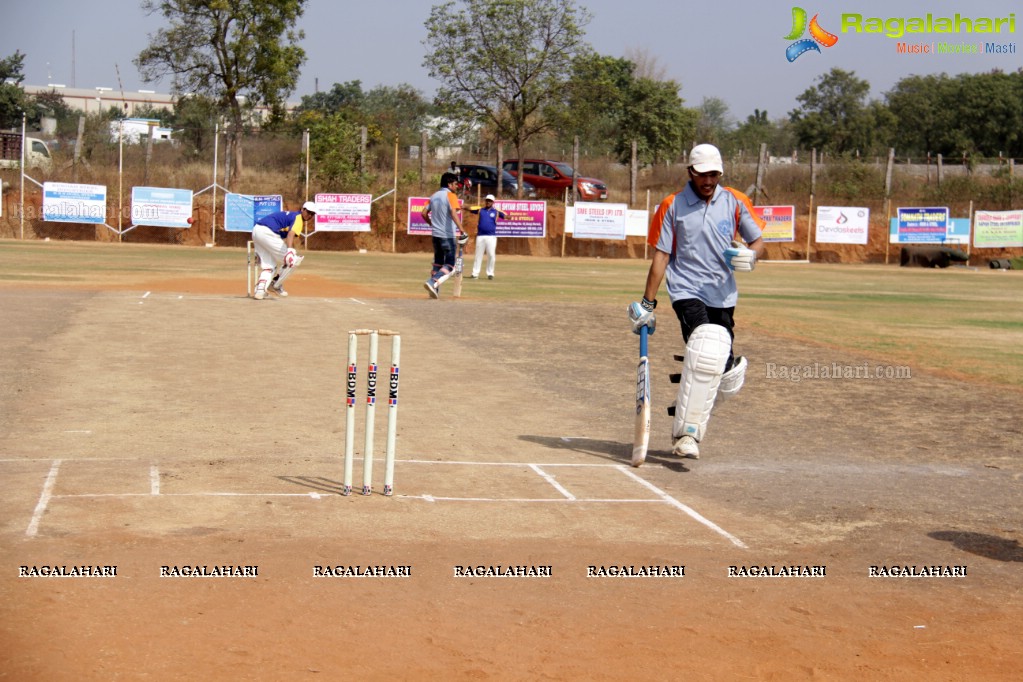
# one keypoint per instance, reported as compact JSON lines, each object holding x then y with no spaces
{"x":694,"y":232}
{"x":443,"y":212}
{"x":274,"y":239}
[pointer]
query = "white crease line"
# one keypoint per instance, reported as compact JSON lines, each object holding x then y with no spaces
{"x":73,"y":496}
{"x":154,"y":480}
{"x":557,"y":500}
{"x":508,"y":464}
{"x":550,"y":479}
{"x":688,"y":510}
{"x":44,"y":500}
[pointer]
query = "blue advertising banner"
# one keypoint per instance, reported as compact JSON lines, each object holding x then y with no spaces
{"x":922,"y":225}
{"x":241,"y":211}
{"x":958,"y":233}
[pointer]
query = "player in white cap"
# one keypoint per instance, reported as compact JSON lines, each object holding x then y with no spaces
{"x":486,"y":236}
{"x":274,"y":238}
{"x":695,"y":233}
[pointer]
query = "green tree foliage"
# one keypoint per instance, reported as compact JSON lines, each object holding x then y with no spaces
{"x":503,"y":62}
{"x":52,"y":105}
{"x":385,"y":111}
{"x":833,"y":115}
{"x":712,"y":124}
{"x":397,"y":111}
{"x":13,"y":102}
{"x":656,"y":119}
{"x":334,"y":147}
{"x":194,"y":122}
{"x":607,"y":105}
{"x":594,"y":98}
{"x":342,"y":98}
{"x":227,"y":50}
{"x":968,"y":113}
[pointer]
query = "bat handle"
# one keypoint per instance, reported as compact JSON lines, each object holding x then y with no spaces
{"x":644,"y":331}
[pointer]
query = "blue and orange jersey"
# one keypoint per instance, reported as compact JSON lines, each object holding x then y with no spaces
{"x":741,"y":201}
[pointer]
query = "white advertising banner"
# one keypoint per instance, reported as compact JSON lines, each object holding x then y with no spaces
{"x":65,"y":202}
{"x":842,"y":225}
{"x":343,"y":212}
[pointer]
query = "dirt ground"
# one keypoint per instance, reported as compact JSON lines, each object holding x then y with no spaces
{"x":186,"y":425}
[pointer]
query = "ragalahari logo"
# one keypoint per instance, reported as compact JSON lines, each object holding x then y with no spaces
{"x":818,"y":36}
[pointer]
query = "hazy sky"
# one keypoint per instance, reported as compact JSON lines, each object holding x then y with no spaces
{"x":734,"y":51}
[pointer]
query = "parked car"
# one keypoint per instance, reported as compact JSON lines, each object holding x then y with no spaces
{"x":552,"y":178}
{"x":485,"y":177}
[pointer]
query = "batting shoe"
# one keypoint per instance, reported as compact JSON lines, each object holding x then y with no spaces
{"x":432,"y":288}
{"x":686,"y":447}
{"x":278,"y":290}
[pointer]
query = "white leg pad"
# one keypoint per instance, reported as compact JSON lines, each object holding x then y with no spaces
{"x":732,"y":380}
{"x":262,"y":283}
{"x":705,"y":359}
{"x":286,"y":271}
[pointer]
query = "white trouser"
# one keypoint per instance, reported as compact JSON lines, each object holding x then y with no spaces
{"x":485,"y":244}
{"x":269,"y":247}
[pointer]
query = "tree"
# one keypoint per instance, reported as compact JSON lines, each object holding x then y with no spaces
{"x":594,"y":99}
{"x":397,"y":111}
{"x":13,"y":102}
{"x":968,"y":113}
{"x":193,"y":121}
{"x":342,"y":97}
{"x":656,"y":119}
{"x":228,"y":50}
{"x":503,"y":61}
{"x":833,"y":115}
{"x":713,"y":122}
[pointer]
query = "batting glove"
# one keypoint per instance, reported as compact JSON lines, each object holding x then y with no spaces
{"x":463,"y":238}
{"x":740,"y":258}
{"x":289,"y":258}
{"x":642,"y":315}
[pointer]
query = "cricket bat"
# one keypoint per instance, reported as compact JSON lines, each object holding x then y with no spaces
{"x":641,"y":437}
{"x":457,"y":292}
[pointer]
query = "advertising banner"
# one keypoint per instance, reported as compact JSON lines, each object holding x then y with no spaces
{"x":241,"y":211}
{"x":780,"y":222}
{"x":842,"y":225}
{"x":161,"y":206}
{"x":343,"y":212}
{"x":922,"y":225}
{"x":65,"y":202}
{"x":998,"y":229}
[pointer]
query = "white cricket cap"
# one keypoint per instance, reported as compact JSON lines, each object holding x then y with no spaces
{"x":309,"y":206}
{"x":706,"y":158}
{"x":490,"y":197}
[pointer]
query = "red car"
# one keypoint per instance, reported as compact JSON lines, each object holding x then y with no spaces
{"x":552,"y":178}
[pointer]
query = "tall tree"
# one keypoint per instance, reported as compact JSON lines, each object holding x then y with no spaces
{"x":228,"y":50}
{"x":833,"y":114}
{"x":503,"y":61}
{"x":713,"y":122}
{"x":594,"y":97}
{"x":399,"y":111}
{"x":952,"y":115}
{"x":13,"y":102}
{"x":656,"y":119}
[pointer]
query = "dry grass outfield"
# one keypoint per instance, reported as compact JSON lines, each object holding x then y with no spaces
{"x":966,"y":323}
